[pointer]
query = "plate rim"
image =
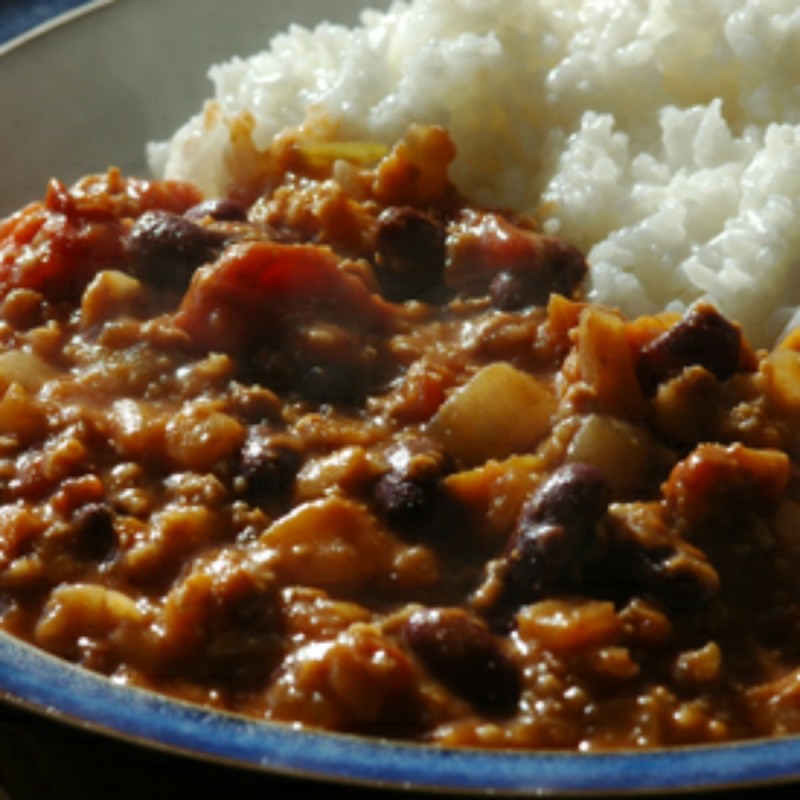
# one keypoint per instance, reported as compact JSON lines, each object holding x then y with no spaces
{"x":46,"y":26}
{"x":59,"y":690}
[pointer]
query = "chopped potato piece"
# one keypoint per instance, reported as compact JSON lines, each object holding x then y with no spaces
{"x":621,"y":450}
{"x":21,"y":415}
{"x":782,"y":369}
{"x":499,"y":412}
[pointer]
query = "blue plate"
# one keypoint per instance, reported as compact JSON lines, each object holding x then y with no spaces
{"x":20,"y":16}
{"x":64,"y":116}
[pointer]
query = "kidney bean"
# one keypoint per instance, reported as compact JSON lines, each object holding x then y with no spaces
{"x":575,"y":496}
{"x":511,"y":290}
{"x":409,"y":492}
{"x":221,"y":209}
{"x":703,"y":337}
{"x":681,"y":584}
{"x":460,"y":652}
{"x":94,"y":536}
{"x":268,"y":465}
{"x":410,"y":253}
{"x":537,"y":562}
{"x":403,"y":499}
{"x":559,"y":269}
{"x":567,"y":266}
{"x":554,"y":533}
{"x":166,"y":248}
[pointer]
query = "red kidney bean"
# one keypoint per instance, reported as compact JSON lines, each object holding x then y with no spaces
{"x":575,"y":496}
{"x":410,"y":253}
{"x":559,"y":269}
{"x":269,"y":466}
{"x":166,"y":248}
{"x":460,"y":652}
{"x":404,"y":499}
{"x":511,"y":290}
{"x":94,"y":536}
{"x":553,"y":535}
{"x":538,"y":561}
{"x":703,"y":337}
{"x":624,"y":570}
{"x":409,"y":493}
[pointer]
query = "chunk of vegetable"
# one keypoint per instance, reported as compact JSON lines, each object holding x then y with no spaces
{"x":498,"y":412}
{"x":259,"y":289}
{"x":606,"y":363}
{"x":714,"y":480}
{"x":621,"y":450}
{"x":782,"y":370}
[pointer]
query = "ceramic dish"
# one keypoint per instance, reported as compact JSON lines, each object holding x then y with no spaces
{"x":89,"y":90}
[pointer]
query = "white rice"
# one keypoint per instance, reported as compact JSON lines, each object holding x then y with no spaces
{"x":662,"y":136}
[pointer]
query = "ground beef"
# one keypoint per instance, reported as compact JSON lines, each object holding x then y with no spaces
{"x":354,"y":455}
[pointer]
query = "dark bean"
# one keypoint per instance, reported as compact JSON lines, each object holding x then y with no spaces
{"x":220,"y":209}
{"x":166,"y":248}
{"x":703,"y":337}
{"x":94,"y":536}
{"x":410,"y":491}
{"x":268,"y":465}
{"x":567,"y":266}
{"x":682,"y":585}
{"x":460,"y":652}
{"x":404,"y":501}
{"x":511,"y":290}
{"x":555,"y":530}
{"x":537,"y":563}
{"x":575,"y":496}
{"x":554,"y":268}
{"x":410,"y":253}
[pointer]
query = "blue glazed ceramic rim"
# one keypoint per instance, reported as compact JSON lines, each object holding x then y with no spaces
{"x":21,"y":19}
{"x":37,"y":681}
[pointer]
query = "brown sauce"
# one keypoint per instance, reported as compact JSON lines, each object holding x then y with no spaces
{"x":343,"y":451}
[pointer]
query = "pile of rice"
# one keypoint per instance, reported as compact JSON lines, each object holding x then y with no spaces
{"x":662,"y":136}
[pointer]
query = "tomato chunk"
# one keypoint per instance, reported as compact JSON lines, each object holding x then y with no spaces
{"x":259,"y":289}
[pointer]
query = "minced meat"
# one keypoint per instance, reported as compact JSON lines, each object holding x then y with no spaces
{"x":351,"y":453}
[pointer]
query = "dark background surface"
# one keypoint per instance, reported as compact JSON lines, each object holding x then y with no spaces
{"x":42,"y":759}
